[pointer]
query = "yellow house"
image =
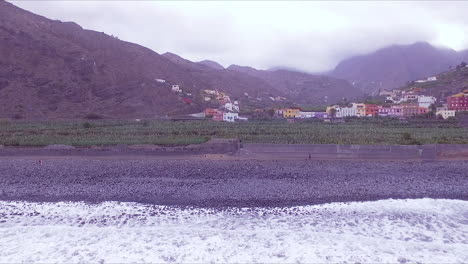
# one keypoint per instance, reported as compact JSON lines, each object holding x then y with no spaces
{"x":291,"y":113}
{"x":360,"y":109}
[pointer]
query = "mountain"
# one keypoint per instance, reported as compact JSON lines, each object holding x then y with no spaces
{"x":302,"y":87}
{"x":283,"y":68}
{"x":211,"y":64}
{"x":393,"y":66}
{"x":51,"y":69}
{"x":54,"y":69}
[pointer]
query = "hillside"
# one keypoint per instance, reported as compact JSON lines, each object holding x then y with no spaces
{"x":52,"y":69}
{"x":447,"y":83}
{"x":236,"y":84}
{"x":392,"y":67}
{"x":302,"y":87}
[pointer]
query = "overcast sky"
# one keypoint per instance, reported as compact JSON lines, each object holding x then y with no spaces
{"x":311,"y":36}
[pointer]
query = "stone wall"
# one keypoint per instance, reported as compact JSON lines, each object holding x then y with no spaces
{"x":423,"y":152}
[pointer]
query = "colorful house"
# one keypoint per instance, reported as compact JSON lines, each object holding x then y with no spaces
{"x":218,"y":116}
{"x":458,"y":102}
{"x":211,"y":111}
{"x":291,"y":113}
{"x":371,"y":110}
{"x":360,"y":109}
{"x":321,"y":115}
{"x":412,"y":109}
{"x":393,"y":110}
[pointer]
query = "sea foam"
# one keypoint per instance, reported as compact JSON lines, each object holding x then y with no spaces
{"x":418,"y":230}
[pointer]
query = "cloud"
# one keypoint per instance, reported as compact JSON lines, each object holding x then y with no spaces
{"x":313,"y":36}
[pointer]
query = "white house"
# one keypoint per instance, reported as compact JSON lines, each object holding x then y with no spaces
{"x":408,"y":97}
{"x":446,"y":113}
{"x":160,"y":80}
{"x":345,"y":112}
{"x":235,"y":106}
{"x":213,"y":92}
{"x":443,"y":107}
{"x":176,"y":88}
{"x":426,"y":101}
{"x":230,"y":117}
{"x":228,"y":106}
{"x":306,"y":114}
{"x":431,"y":79}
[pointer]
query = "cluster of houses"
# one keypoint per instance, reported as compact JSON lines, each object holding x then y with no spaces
{"x":455,"y":103}
{"x":357,"y":110}
{"x":398,"y":104}
{"x":222,"y":99}
{"x":220,"y":115}
{"x":228,"y":110}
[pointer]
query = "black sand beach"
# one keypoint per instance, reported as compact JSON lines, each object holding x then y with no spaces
{"x":217,"y":183}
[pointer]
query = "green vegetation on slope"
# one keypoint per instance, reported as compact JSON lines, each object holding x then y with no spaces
{"x":111,"y":132}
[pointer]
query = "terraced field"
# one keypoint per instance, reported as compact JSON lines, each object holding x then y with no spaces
{"x":162,"y":132}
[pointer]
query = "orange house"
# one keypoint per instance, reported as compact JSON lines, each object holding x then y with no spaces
{"x":371,"y":110}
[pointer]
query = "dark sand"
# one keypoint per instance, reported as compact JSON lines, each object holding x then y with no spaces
{"x":216,"y":183}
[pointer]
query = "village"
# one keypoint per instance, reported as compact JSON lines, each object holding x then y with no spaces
{"x":397,"y":103}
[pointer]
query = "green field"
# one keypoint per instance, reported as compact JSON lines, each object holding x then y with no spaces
{"x":113,"y":132}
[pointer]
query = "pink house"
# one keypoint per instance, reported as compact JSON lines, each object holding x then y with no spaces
{"x":218,"y":116}
{"x":394,"y":110}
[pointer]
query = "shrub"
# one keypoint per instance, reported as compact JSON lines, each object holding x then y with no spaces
{"x":87,"y":125}
{"x":18,"y":116}
{"x":406,"y":136}
{"x":93,"y":116}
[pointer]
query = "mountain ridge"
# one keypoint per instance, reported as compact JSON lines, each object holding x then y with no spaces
{"x":393,"y":66}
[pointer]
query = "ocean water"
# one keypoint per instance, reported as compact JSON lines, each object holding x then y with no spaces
{"x":404,"y":231}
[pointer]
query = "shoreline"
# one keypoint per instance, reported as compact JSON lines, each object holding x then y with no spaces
{"x":229,"y":183}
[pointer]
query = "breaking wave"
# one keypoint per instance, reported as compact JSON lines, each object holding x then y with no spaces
{"x":415,"y":230}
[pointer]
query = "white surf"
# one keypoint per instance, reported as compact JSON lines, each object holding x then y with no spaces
{"x":420,"y":230}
